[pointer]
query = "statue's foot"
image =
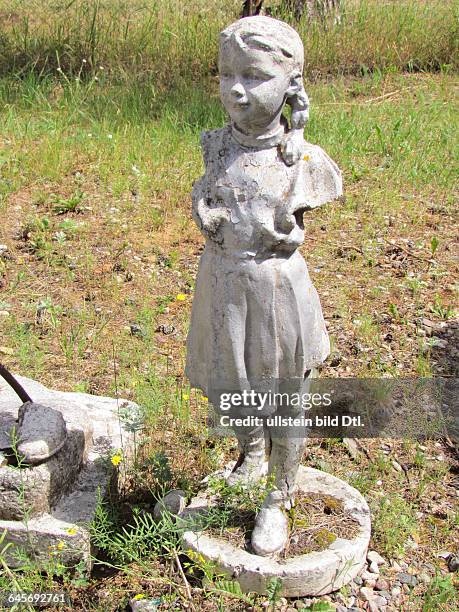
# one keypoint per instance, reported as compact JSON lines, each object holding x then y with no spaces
{"x":270,"y":535}
{"x":249,"y":472}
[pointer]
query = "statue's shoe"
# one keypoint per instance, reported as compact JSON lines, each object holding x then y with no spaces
{"x":249,"y":472}
{"x":41,"y":432}
{"x":270,"y":535}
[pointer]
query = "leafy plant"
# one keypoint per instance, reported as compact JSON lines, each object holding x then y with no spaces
{"x":65,"y":205}
{"x":441,"y":594}
{"x":273,"y":591}
{"x":434,"y":245}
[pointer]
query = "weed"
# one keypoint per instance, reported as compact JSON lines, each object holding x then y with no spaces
{"x":394,"y":523}
{"x":441,"y":594}
{"x":61,"y":205}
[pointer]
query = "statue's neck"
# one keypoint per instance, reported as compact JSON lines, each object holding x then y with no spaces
{"x":260,"y":141}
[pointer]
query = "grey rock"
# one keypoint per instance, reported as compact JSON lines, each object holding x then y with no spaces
{"x":376,"y":603}
{"x":407,"y":579}
{"x":374,"y":568}
{"x":282,"y":602}
{"x":174,"y":502}
{"x":453,"y":563}
{"x":375,"y":557}
{"x":424,"y":578}
{"x":382,"y":585}
{"x":145,"y":605}
{"x":41,"y":431}
{"x":137,"y":330}
{"x":385,"y":594}
{"x":367,"y":593}
{"x":352,"y":448}
{"x":366,"y":575}
{"x":341,"y":609}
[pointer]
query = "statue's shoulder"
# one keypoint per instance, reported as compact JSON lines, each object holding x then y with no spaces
{"x":318,"y":156}
{"x":324,"y":172}
{"x":213,"y":141}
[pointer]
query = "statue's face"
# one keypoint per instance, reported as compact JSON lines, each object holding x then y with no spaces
{"x":253,"y":86}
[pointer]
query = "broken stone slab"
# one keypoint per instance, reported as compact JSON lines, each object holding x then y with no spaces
{"x":63,"y":491}
{"x":8,"y":420}
{"x":41,"y":432}
{"x":101,"y":412}
{"x":312,"y":574}
{"x":35,"y":489}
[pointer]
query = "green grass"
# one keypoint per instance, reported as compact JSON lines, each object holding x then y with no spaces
{"x":175,"y":40}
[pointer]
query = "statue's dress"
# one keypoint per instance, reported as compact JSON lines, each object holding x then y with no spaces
{"x":256,"y":315}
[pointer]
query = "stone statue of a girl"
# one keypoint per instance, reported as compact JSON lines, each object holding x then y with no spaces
{"x":256,"y":320}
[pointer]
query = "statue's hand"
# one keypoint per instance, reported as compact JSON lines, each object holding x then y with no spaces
{"x":277,"y":241}
{"x":293,"y":147}
{"x":209,"y":220}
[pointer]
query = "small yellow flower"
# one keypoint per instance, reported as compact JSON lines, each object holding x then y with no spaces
{"x":306,"y":158}
{"x":185,"y":397}
{"x":117,"y":459}
{"x":72,"y":530}
{"x":139,"y":596}
{"x":181,"y":297}
{"x":205,"y":399}
{"x":60,"y":545}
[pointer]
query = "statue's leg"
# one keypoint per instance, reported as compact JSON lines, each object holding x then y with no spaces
{"x":251,"y":442}
{"x":287,"y":445}
{"x":271,"y":527}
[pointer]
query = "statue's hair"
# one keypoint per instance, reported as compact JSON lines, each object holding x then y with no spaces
{"x":285,"y":46}
{"x":267,"y":34}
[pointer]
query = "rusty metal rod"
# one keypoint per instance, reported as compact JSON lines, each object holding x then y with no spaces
{"x":18,"y":388}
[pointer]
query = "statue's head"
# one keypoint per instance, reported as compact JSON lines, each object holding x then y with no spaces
{"x":260,"y":65}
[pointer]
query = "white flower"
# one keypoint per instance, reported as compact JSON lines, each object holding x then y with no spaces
{"x":135,"y":170}
{"x":109,"y":136}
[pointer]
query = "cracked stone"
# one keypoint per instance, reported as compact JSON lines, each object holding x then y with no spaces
{"x":41,"y":431}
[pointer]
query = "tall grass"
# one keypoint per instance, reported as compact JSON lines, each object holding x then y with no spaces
{"x":172,"y":39}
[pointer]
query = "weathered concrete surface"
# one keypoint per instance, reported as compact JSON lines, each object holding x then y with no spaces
{"x":37,"y":489}
{"x":60,"y":494}
{"x":312,"y":574}
{"x":41,"y":431}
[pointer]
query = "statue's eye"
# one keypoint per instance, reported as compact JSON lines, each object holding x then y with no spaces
{"x":256,"y":75}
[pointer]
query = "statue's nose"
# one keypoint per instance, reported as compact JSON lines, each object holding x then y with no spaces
{"x":238,"y":91}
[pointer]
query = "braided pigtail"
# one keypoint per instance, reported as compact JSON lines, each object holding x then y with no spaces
{"x":293,"y":145}
{"x":299,"y":104}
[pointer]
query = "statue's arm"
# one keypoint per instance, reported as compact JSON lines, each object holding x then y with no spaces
{"x":206,"y":218}
{"x":293,"y":146}
{"x":283,"y":242}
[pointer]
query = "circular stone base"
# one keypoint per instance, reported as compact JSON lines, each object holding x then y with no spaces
{"x":315,"y":573}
